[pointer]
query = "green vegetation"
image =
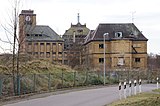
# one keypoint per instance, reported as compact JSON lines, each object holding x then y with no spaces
{"x":143,"y":99}
{"x":156,"y":90}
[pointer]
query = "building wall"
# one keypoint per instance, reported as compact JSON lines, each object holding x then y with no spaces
{"x":132,"y":54}
{"x":52,"y":51}
{"x":22,"y":26}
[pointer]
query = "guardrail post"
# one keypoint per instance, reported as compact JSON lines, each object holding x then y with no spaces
{"x":125,"y":86}
{"x":130,"y":88}
{"x":157,"y":83}
{"x":140,"y":87}
{"x":120,"y":90}
{"x":135,"y":89}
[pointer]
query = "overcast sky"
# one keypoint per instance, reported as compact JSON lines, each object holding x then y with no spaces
{"x":59,"y":14}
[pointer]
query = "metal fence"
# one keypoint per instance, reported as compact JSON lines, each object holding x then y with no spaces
{"x":33,"y":83}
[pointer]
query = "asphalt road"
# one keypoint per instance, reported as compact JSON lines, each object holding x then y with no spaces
{"x":89,"y":97}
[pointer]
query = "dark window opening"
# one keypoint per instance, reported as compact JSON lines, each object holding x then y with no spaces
{"x":41,"y":43}
{"x":101,"y":46}
{"x":101,"y":60}
{"x":59,"y":52}
{"x":137,"y":60}
{"x":48,"y":44}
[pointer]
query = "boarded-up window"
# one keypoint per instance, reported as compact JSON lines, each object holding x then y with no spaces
{"x":36,"y":54}
{"x":48,"y":54}
{"x":35,"y":47}
{"x":48,"y":47}
{"x":42,"y":48}
{"x":42,"y":54}
{"x":120,"y":61}
{"x":60,"y":47}
{"x":29,"y":47}
{"x":59,"y":54}
{"x":54,"y":54}
{"x":54,"y":47}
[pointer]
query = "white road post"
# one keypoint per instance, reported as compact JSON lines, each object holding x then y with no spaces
{"x":140,"y":87}
{"x":157,"y":83}
{"x":125,"y":89}
{"x":120,"y":90}
{"x":135,"y":89}
{"x":130,"y":88}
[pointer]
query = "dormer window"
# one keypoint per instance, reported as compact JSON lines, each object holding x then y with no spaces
{"x":118,"y":35}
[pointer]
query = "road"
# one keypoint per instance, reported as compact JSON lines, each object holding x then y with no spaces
{"x":89,"y":97}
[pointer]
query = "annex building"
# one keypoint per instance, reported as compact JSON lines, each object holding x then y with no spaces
{"x":39,"y":40}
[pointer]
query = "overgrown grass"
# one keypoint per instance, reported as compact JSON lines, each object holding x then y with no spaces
{"x":143,"y":99}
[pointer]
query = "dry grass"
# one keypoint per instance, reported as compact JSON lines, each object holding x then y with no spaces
{"x":144,"y":99}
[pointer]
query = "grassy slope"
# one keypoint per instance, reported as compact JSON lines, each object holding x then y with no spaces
{"x":144,"y":99}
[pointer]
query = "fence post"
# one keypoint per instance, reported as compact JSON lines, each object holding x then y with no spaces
{"x":62,"y":77}
{"x":1,"y":85}
{"x":87,"y":77}
{"x":34,"y":82}
{"x":74,"y":78}
{"x":49,"y":81}
{"x":18,"y":85}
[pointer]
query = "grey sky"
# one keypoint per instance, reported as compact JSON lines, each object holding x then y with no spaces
{"x":59,"y":14}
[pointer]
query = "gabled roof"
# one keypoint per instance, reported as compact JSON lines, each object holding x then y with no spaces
{"x":41,"y":33}
{"x":128,"y":30}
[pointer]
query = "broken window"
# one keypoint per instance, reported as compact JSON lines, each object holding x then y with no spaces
{"x":101,"y":60}
{"x":118,"y":34}
{"x":101,"y":46}
{"x":137,"y":60}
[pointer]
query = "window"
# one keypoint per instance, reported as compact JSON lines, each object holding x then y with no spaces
{"x":41,"y":54}
{"x":101,"y":46}
{"x":36,"y":54}
{"x":120,"y":61}
{"x":28,"y":35}
{"x":59,"y":52}
{"x":48,"y":54}
{"x":48,"y":44}
{"x":137,"y":60}
{"x":101,"y":60}
{"x":29,"y":43}
{"x":36,"y":44}
{"x":41,"y":43}
{"x":118,"y":34}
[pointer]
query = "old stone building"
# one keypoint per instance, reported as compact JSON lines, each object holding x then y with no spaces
{"x":73,"y":41}
{"x":125,"y":47}
{"x":39,"y":40}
